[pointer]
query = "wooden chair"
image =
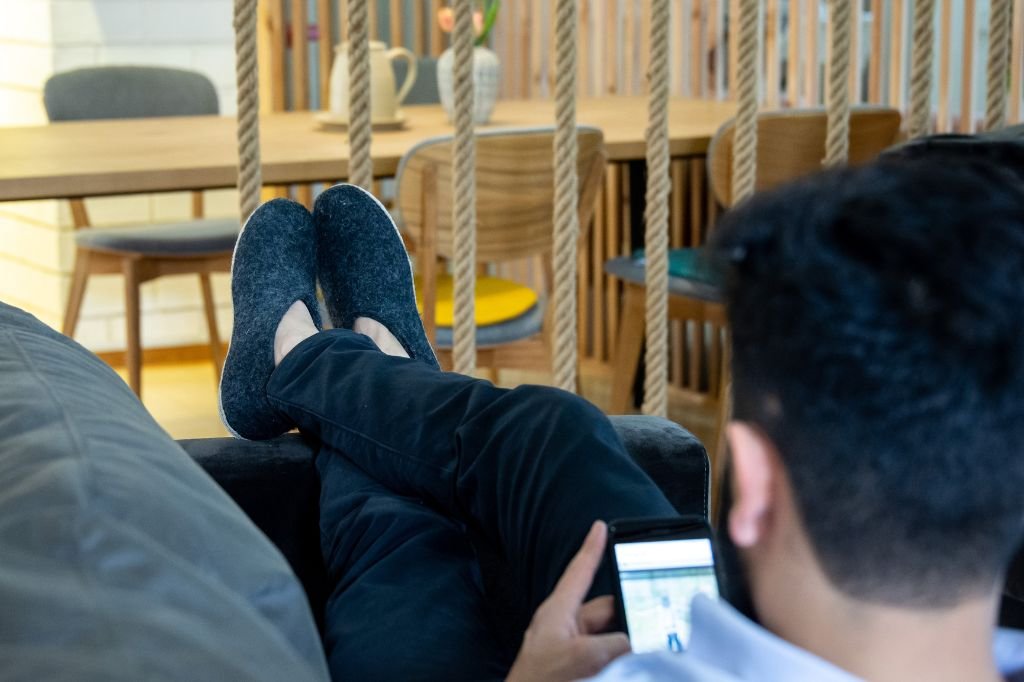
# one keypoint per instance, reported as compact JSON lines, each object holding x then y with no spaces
{"x":790,"y":144}
{"x":144,"y":252}
{"x":515,"y":202}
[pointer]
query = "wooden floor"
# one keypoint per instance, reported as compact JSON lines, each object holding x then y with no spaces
{"x":183,"y":398}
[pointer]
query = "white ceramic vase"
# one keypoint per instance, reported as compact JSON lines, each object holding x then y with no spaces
{"x":486,"y":74}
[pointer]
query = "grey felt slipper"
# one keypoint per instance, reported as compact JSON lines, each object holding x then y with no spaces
{"x":274,"y":265}
{"x":364,"y":269}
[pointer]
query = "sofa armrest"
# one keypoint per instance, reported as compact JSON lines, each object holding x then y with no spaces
{"x":276,"y":484}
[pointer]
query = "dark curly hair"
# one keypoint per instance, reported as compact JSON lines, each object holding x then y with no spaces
{"x":877,"y":320}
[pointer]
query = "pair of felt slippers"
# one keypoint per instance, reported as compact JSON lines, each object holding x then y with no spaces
{"x":352,"y":246}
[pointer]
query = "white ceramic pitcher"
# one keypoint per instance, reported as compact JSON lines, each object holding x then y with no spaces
{"x":383,"y":96}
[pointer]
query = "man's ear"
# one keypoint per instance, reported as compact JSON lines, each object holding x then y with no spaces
{"x":754,"y":465}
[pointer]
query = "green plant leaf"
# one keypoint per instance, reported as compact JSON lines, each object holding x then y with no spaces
{"x":490,"y":16}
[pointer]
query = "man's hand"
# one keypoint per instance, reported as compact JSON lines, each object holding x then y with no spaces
{"x":562,"y":642}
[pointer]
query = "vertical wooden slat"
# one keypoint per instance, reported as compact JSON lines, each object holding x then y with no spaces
{"x":628,"y":58}
{"x":967,"y":79}
{"x":266,"y":54}
{"x":277,"y":38}
{"x":525,"y":66}
{"x":855,"y":63}
{"x":945,"y":33}
{"x":608,"y":287}
{"x":419,"y":34}
{"x":585,"y":293}
{"x":597,"y":264}
{"x":678,"y":43}
{"x":595,"y":16}
{"x":676,"y":240}
{"x":549,"y":49}
{"x":722,"y":54}
{"x":300,"y":55}
{"x":1016,"y":61}
{"x":875,"y":57}
{"x":605,"y":286}
{"x":395,"y":19}
{"x":374,"y":20}
{"x":711,"y":47}
{"x":436,"y":36}
{"x":536,"y":53}
{"x":771,"y":53}
{"x":325,"y":48}
{"x":586,"y":58}
{"x":714,"y":361}
{"x":696,"y":48}
{"x":895,"y":66}
{"x":793,"y":36}
{"x":696,"y":201}
{"x":734,"y":48}
{"x":812,"y":65}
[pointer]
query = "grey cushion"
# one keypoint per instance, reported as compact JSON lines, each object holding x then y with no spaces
{"x":128,"y":92}
{"x":120,"y":559}
{"x":169,"y":239}
{"x":628,"y":269}
{"x":520,"y":327}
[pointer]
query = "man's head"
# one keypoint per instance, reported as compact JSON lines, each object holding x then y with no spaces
{"x":877,"y":319}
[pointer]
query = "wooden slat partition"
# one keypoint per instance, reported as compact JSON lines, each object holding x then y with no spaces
{"x":612,"y":60}
{"x":613,"y":49}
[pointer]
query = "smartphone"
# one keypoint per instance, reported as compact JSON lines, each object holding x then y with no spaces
{"x":660,"y":565}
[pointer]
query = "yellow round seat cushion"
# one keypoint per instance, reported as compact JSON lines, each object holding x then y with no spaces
{"x":497,"y":300}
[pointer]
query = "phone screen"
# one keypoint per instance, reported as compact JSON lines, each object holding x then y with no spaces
{"x":658,"y":579}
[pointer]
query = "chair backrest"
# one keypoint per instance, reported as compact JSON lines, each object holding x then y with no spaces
{"x":128,"y":92}
{"x":514,"y":190}
{"x":791,"y":144}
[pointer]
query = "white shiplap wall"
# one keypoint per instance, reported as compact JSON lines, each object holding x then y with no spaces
{"x":41,"y":37}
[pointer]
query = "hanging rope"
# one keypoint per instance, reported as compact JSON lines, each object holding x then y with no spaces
{"x":360,"y":163}
{"x":566,"y":218}
{"x":921,"y":69}
{"x":656,"y":216}
{"x":1000,"y":20}
{"x":464,"y":192}
{"x":744,"y":155}
{"x":248,"y":126}
{"x":837,"y":138}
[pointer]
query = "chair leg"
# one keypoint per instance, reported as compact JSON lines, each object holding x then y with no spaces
{"x":719,"y":455}
{"x":79,"y":278}
{"x":216,"y":348}
{"x":627,"y":351}
{"x":133,"y":354}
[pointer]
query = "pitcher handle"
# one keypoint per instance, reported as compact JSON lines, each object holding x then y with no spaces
{"x":410,"y":72}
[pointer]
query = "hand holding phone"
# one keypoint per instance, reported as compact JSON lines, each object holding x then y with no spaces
{"x":660,"y":565}
{"x":567,"y":638}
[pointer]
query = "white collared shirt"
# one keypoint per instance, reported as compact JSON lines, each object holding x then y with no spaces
{"x":726,"y":646}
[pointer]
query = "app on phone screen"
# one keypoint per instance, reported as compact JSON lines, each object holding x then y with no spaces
{"x":659,"y":579}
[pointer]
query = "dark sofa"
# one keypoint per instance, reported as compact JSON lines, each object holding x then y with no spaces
{"x":276,"y":484}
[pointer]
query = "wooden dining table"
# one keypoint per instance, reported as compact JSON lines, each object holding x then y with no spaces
{"x":95,"y":158}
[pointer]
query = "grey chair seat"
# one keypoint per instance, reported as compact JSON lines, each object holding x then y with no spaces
{"x":521,"y":327}
{"x":630,"y":270}
{"x":194,"y":237}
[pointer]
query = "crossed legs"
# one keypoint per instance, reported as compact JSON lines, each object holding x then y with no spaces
{"x":414,"y":462}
